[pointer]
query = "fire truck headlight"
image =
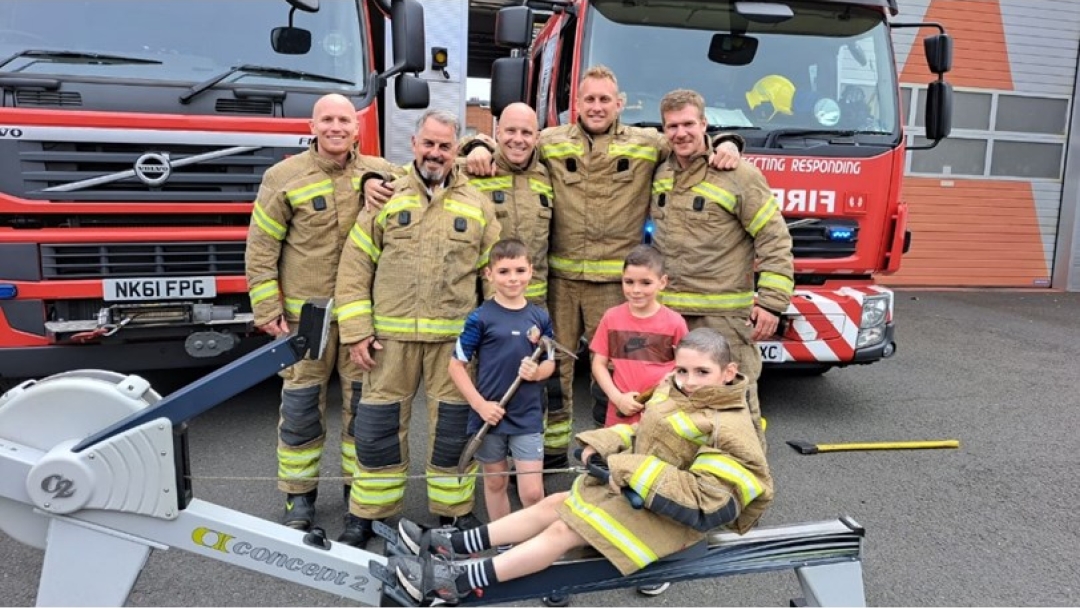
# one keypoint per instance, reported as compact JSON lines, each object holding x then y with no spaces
{"x":870,"y":336}
{"x":875,"y":309}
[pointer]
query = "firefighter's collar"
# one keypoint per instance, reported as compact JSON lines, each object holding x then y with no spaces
{"x":330,"y":165}
{"x":446,"y":183}
{"x":616,"y":128}
{"x":503,"y":163}
{"x":728,"y":397}
{"x":694,"y":160}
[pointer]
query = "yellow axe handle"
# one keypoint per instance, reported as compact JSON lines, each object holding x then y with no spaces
{"x":889,"y":445}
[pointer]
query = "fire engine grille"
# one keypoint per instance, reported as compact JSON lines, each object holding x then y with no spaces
{"x":51,"y":99}
{"x":818,"y":240}
{"x":228,"y":177}
{"x":79,"y":310}
{"x":109,"y":260}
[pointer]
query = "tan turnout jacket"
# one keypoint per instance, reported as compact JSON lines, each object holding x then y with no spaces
{"x":408,"y":271}
{"x":697,"y":462}
{"x":304,"y":210}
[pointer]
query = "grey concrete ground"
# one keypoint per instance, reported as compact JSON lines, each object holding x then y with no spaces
{"x":993,"y":523}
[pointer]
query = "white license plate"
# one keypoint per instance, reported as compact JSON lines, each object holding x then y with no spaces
{"x":171,"y":288}
{"x":772,"y":352}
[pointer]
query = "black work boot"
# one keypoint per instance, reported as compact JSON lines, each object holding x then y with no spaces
{"x":357,"y":532}
{"x":300,"y":510}
{"x":555,"y":460}
{"x":464,"y":522}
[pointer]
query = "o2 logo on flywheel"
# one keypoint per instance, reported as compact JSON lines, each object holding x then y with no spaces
{"x":59,"y":486}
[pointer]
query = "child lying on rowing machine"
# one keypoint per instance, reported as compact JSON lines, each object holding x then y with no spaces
{"x":694,"y":458}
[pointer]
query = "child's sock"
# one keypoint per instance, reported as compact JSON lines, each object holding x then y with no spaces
{"x":470,"y":541}
{"x":477,"y":574}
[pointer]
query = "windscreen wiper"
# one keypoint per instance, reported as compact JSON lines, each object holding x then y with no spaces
{"x":77,"y":57}
{"x":258,"y":69}
{"x":718,"y":128}
{"x":834,"y":134}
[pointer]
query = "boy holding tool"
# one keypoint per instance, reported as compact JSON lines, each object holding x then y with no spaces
{"x":503,"y":334}
{"x":694,"y":459}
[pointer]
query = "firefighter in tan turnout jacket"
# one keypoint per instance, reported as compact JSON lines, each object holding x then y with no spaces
{"x":304,"y":210}
{"x":711,"y":227}
{"x":601,"y":171}
{"x":521,"y":193}
{"x":406,"y":282}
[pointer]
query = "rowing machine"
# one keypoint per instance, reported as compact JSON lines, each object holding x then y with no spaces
{"x":96,"y":463}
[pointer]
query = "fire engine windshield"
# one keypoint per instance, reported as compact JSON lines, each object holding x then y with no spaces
{"x":184,"y":41}
{"x":828,"y":68}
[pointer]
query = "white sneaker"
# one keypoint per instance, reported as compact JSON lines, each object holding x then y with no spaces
{"x":653,"y":590}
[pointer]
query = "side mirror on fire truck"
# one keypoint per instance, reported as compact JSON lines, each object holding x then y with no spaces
{"x":514,"y":27}
{"x":407,"y":21}
{"x":411,"y":92}
{"x":508,"y":78}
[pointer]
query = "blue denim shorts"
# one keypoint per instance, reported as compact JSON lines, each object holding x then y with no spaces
{"x":520,"y":447}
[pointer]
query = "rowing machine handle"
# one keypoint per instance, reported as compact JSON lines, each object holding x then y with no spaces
{"x":598,"y":468}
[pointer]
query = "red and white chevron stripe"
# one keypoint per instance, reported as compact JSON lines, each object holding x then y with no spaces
{"x":823,"y":324}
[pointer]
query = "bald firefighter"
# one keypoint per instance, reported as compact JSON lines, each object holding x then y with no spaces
{"x":711,"y":226}
{"x":305,"y":207}
{"x":601,"y":173}
{"x":406,"y":283}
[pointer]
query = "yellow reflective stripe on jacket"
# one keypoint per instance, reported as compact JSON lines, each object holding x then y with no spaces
{"x":422,"y":326}
{"x":536,"y":290}
{"x":356,"y":183}
{"x":732,"y":472}
{"x":625,"y":433}
{"x":604,"y":267}
{"x":776,"y":281}
{"x":643,"y":478}
{"x":540,"y":187}
{"x":685,"y":428}
{"x":662,"y":185}
{"x":610,"y":528}
{"x":362,"y":240}
{"x":398,"y":203}
{"x":267,"y":224}
{"x":378,"y":488}
{"x":487,"y":184}
{"x":293,"y":306}
{"x":352,"y":309}
{"x":660,"y":394}
{"x":568,"y":148}
{"x":649,"y":153}
{"x":302,"y":195}
{"x":763,"y":216}
{"x":451,"y":489}
{"x":485,"y":257}
{"x":717,"y":195}
{"x":720,"y":301}
{"x":264,"y":291}
{"x":465,"y":210}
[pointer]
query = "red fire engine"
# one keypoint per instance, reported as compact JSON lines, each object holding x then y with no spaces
{"x":133,"y":137}
{"x":812,"y":87}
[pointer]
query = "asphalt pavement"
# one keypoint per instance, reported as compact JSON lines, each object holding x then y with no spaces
{"x":992,"y":523}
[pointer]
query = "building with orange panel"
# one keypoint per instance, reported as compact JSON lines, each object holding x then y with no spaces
{"x":995,"y":204}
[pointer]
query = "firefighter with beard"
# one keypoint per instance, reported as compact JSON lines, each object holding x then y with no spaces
{"x":301,"y":217}
{"x":715,"y":228}
{"x":601,"y":172}
{"x":405,"y":284}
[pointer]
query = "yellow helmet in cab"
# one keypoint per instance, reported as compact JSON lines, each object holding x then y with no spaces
{"x":775,"y":90}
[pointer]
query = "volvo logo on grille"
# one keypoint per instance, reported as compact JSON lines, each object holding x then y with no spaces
{"x":153,"y":168}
